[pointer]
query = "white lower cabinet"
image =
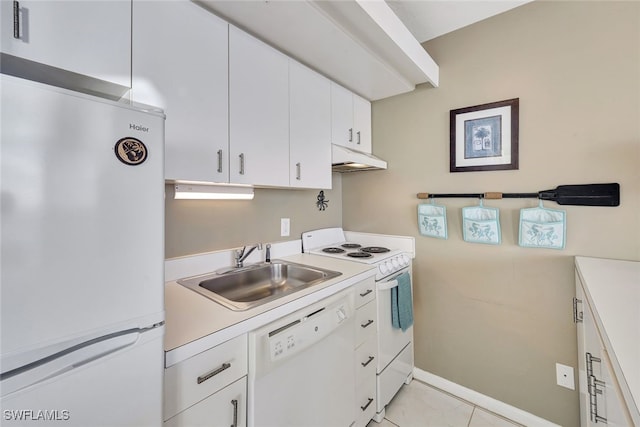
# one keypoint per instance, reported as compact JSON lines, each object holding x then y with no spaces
{"x":601,"y":398}
{"x":227,"y":407}
{"x":366,"y":345}
{"x":209,"y":388}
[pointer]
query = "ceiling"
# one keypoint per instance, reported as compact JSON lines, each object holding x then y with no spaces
{"x":428,"y":19}
{"x":371,"y":47}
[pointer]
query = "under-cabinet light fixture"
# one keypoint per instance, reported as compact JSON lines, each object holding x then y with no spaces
{"x":212,"y":192}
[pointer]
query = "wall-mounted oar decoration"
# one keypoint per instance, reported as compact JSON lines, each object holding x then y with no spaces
{"x":576,"y":195}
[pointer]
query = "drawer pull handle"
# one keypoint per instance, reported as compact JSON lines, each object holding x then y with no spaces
{"x":364,"y":408}
{"x":213,"y":373}
{"x":241,"y":163}
{"x":366,"y":293}
{"x":16,"y":20}
{"x":368,"y":361}
{"x":234,"y":402}
{"x":366,"y":324}
{"x":219,"y":161}
{"x":358,"y":133}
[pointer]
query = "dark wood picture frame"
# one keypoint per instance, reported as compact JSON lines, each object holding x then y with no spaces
{"x":484,"y":137}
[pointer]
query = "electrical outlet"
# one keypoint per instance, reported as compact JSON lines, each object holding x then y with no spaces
{"x":564,"y":376}
{"x":285,"y":227}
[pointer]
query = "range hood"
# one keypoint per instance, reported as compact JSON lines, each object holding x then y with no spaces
{"x":347,"y":160}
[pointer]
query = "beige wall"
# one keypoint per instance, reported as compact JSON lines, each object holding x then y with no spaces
{"x":195,"y":226}
{"x":497,"y":319}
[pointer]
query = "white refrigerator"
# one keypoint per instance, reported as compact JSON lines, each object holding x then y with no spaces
{"x":82,"y":229}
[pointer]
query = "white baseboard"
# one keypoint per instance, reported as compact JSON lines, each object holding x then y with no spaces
{"x":479,"y":399}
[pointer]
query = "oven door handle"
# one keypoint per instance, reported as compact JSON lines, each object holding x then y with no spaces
{"x":385,"y":286}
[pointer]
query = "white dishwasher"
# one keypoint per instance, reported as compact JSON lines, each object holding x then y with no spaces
{"x":301,"y":367}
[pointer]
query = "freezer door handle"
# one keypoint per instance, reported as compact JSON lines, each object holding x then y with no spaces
{"x":68,"y":359}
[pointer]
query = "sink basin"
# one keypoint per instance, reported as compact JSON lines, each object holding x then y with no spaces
{"x":257,"y":284}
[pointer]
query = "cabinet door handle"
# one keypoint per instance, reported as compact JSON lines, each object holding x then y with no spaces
{"x":350,"y":134}
{"x":241,"y":163}
{"x":593,"y":384}
{"x":364,"y":325}
{"x":213,"y":373}
{"x":358,"y":134}
{"x":366,"y":293}
{"x":234,"y":402}
{"x":364,"y":408}
{"x":16,"y":20}
{"x":589,"y":361}
{"x":298,"y":171}
{"x":577,"y":316}
{"x":368,"y":361}
{"x":219,"y":161}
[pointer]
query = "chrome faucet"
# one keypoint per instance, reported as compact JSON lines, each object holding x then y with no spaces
{"x":241,"y":255}
{"x":267,"y":257}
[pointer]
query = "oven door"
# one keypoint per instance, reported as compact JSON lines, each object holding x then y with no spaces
{"x":391,"y":341}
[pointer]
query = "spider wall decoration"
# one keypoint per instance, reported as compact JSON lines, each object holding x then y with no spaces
{"x":321,"y":203}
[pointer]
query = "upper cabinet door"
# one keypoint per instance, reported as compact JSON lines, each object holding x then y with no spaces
{"x":91,"y":38}
{"x":342,"y":132}
{"x":258,"y":112}
{"x":362,"y":124}
{"x":310,"y":128}
{"x":180,"y":64}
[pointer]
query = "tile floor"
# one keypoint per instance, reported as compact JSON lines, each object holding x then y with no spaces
{"x":420,"y":405}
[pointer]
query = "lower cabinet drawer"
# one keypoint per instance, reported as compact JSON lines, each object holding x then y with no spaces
{"x":227,"y":407}
{"x":365,"y":322}
{"x":192,"y":380}
{"x":366,"y":362}
{"x":365,"y":292}
{"x":366,"y":401}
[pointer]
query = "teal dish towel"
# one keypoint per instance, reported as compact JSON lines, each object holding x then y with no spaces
{"x":401,"y":303}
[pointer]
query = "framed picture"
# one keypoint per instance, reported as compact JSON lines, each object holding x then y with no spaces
{"x":484,"y":137}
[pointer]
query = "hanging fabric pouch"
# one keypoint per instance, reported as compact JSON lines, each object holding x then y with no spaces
{"x":542,"y":228}
{"x":432,"y":220}
{"x":481,"y":225}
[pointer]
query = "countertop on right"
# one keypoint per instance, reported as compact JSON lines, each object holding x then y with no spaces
{"x":613,"y":290}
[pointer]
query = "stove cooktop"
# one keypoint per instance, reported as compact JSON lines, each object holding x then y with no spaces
{"x":355,"y":252}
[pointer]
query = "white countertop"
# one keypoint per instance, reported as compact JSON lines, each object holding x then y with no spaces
{"x":613,"y":290}
{"x":195,"y":323}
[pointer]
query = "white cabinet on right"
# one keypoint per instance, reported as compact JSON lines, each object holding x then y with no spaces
{"x":350,"y":119}
{"x":606,"y":312}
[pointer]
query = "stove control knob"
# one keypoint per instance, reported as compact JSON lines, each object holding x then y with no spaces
{"x":395,"y":263}
{"x":404,"y":260}
{"x":384,"y":269}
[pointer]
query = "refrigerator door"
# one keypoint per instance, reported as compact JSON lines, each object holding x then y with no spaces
{"x":121,"y":388}
{"x":82,"y":212}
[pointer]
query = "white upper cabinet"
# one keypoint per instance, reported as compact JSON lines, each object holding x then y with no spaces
{"x":341,"y":116}
{"x":180,"y":64}
{"x":362,"y":124}
{"x":90,"y":38}
{"x":350,"y":119}
{"x":258,"y":112}
{"x":310,"y":128}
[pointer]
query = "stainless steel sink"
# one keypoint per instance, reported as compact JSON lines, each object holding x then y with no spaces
{"x":257,"y":284}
